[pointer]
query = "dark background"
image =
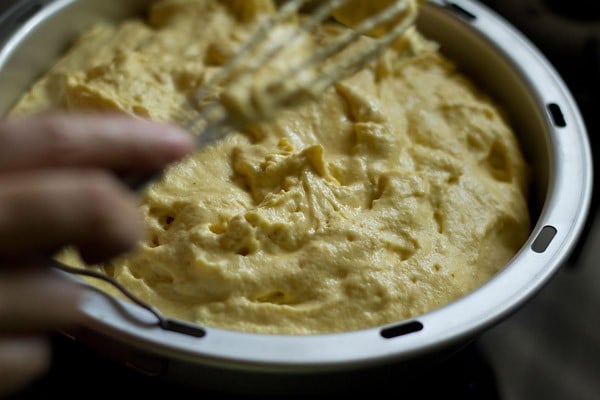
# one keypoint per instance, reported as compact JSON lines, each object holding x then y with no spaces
{"x":550,"y":349}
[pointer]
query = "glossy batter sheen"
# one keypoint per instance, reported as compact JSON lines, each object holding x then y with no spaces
{"x":400,"y":190}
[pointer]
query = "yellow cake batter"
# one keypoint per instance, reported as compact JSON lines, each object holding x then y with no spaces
{"x":400,"y":190}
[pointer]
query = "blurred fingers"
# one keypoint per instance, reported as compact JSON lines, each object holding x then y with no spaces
{"x":96,"y":140}
{"x":22,"y":360}
{"x":36,"y":300}
{"x":46,"y":210}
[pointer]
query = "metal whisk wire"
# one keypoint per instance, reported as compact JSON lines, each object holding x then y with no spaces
{"x":213,"y":120}
{"x":350,"y":65}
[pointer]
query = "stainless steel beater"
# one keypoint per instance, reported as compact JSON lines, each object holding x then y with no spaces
{"x":215,"y":119}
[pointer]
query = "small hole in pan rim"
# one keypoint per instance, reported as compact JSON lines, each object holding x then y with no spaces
{"x":460,"y":11}
{"x":401,"y":329}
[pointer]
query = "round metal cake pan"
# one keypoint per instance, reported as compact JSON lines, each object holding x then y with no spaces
{"x":489,"y":50}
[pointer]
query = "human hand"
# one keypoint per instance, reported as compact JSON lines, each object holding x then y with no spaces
{"x":57,"y":189}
